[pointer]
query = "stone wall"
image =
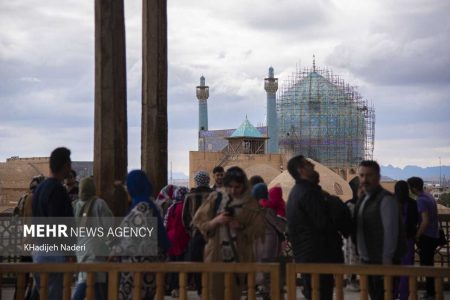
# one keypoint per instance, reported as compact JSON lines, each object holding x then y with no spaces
{"x":16,"y":174}
{"x":267,"y":166}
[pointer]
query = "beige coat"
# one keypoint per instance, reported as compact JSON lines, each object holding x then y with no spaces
{"x":251,"y":219}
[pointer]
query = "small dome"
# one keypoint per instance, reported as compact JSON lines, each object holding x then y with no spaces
{"x":246,"y":130}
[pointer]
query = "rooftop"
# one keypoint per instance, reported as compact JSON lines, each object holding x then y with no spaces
{"x":246,"y":130}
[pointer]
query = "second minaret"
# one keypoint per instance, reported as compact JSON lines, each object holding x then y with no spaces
{"x":271,"y":87}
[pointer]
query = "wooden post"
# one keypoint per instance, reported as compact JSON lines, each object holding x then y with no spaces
{"x":137,"y":285}
{"x":439,"y":288}
{"x":275,"y":284}
{"x":67,"y":290}
{"x":182,"y":280}
{"x":205,"y":287}
{"x":159,"y":286}
{"x":228,"y":286}
{"x":388,"y":287}
{"x":251,"y":292}
{"x":154,"y":92}
{"x":113,"y":284}
{"x":20,"y":291}
{"x":339,"y":279}
{"x":412,"y":288}
{"x":315,"y":286}
{"x":90,"y":286}
{"x":364,"y":284}
{"x":291,"y":278}
{"x":110,"y":132}
{"x":43,"y":289}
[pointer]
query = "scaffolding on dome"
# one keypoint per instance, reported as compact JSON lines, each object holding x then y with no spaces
{"x":324,"y":118}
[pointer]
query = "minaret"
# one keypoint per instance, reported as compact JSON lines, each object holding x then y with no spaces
{"x":271,"y":87}
{"x":202,"y":96}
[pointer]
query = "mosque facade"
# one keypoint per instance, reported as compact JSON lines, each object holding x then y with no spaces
{"x":315,"y":113}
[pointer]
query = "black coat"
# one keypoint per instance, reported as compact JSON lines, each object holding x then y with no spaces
{"x":310,"y":230}
{"x":409,"y":209}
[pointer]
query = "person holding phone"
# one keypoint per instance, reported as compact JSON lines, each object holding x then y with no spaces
{"x":231,"y":221}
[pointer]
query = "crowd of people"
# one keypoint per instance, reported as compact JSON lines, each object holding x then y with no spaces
{"x":383,"y":227}
{"x":239,"y":219}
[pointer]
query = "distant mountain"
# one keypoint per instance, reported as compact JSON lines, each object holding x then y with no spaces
{"x":427,"y":174}
{"x":178,"y":175}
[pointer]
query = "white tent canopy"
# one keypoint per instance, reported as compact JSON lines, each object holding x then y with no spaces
{"x":329,"y":181}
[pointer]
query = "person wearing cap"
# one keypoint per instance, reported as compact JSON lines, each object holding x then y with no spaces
{"x":194,"y":199}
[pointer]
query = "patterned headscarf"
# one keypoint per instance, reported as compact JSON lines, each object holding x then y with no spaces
{"x":166,"y":197}
{"x":180,"y":193}
{"x":140,"y":190}
{"x":179,"y":196}
{"x":201,"y":178}
{"x":35,"y":181}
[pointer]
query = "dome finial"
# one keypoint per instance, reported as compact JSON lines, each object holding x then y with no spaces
{"x":271,"y":74}
{"x":202,"y":80}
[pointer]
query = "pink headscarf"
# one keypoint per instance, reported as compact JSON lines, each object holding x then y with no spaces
{"x":276,"y":201}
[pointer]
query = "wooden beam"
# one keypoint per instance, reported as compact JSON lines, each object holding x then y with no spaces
{"x":110,"y":122}
{"x":154,"y":92}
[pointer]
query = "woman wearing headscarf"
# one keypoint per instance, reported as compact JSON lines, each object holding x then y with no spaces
{"x":260,"y":192}
{"x":268,"y":249}
{"x":89,"y":210}
{"x":178,"y":236}
{"x":141,"y":212}
{"x":276,"y":201}
{"x":165,"y":198}
{"x":230,"y":220}
{"x":409,"y":214}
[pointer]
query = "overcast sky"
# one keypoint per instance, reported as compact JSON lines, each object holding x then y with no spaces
{"x":396,"y":52}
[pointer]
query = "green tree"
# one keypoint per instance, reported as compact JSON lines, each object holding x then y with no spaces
{"x":444,"y":199}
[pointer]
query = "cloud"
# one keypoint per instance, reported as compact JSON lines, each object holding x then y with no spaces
{"x":30,"y":79}
{"x":30,"y":141}
{"x":407,"y":45}
{"x":395,"y":51}
{"x":283,"y":16}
